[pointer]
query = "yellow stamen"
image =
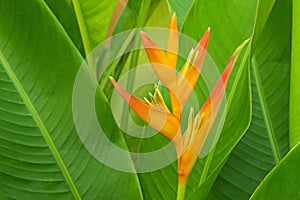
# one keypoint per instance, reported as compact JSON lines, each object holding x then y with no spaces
{"x":147,"y":101}
{"x":160,"y":99}
{"x":153,"y":100}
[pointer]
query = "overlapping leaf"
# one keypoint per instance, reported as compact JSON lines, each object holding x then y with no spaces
{"x":266,"y":141}
{"x":282,"y":181}
{"x":181,"y":8}
{"x":64,"y":12}
{"x":93,"y":18}
{"x":41,"y":153}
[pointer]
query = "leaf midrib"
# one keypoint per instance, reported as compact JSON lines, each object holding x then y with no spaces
{"x":40,"y":125}
{"x":82,"y":27}
{"x":266,"y":113}
{"x":262,"y":99}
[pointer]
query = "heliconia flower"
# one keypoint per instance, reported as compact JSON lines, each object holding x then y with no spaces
{"x":180,"y":85}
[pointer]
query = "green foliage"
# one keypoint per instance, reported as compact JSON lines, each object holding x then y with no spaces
{"x":266,"y":140}
{"x":93,"y":18}
{"x":41,"y":153}
{"x":282,"y":182}
{"x":64,"y":12}
{"x":42,"y":45}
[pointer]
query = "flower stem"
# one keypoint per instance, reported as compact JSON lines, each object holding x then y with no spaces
{"x":181,"y":190}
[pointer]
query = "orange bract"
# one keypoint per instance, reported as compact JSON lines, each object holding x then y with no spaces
{"x":158,"y":118}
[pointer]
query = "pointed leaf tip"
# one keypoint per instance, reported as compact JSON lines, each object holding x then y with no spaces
{"x":226,"y":73}
{"x":239,"y":49}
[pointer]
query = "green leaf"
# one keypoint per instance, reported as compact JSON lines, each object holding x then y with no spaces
{"x":64,"y":12}
{"x":157,"y":14}
{"x":266,"y":141}
{"x":283,"y":181}
{"x":93,"y":18}
{"x":41,"y":155}
{"x":295,"y":77}
{"x":129,"y":17}
{"x":263,"y":11}
{"x":160,"y":15}
{"x":228,"y":28}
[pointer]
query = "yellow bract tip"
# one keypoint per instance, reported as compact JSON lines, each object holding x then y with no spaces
{"x":239,"y":49}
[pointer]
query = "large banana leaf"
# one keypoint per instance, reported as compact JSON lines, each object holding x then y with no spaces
{"x":266,"y":141}
{"x":41,"y":153}
{"x":295,"y":78}
{"x":282,"y":182}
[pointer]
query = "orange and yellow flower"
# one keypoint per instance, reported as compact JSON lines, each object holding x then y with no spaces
{"x":180,"y":85}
